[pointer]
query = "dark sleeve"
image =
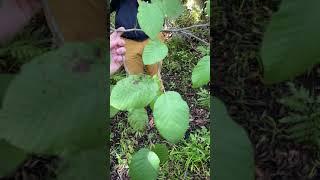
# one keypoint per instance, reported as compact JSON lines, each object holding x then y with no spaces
{"x":114,"y":4}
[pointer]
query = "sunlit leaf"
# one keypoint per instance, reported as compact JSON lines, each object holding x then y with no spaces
{"x":150,"y":18}
{"x":171,"y":116}
{"x":154,"y":52}
{"x":133,"y":92}
{"x":201,"y":73}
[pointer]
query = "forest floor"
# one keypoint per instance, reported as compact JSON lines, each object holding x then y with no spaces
{"x":176,"y":75}
{"x":238,"y":29}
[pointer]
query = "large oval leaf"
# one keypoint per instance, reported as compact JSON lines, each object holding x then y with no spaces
{"x":172,"y":8}
{"x":150,"y":18}
{"x":171,"y":116}
{"x":201,"y":73}
{"x":233,"y":151}
{"x":57,"y":102}
{"x":291,"y":42}
{"x":10,"y":157}
{"x":144,"y":165}
{"x":72,"y":166}
{"x":113,"y":112}
{"x":138,"y":119}
{"x":133,"y":92}
{"x":5,"y":80}
{"x":154,"y":52}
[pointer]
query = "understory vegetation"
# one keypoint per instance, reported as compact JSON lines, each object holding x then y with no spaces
{"x":190,"y":157}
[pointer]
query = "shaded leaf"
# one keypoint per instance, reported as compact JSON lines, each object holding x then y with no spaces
{"x":87,"y":164}
{"x":290,"y":45}
{"x":56,"y":104}
{"x":5,"y":80}
{"x":144,"y":165}
{"x":10,"y":157}
{"x":233,"y":151}
{"x":138,"y":119}
{"x":162,"y":152}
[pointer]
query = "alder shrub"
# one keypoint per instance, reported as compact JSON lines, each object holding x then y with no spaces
{"x":135,"y":92}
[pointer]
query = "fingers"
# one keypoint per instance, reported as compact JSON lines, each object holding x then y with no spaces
{"x":121,"y":51}
{"x":113,"y":44}
{"x":117,"y":34}
{"x":119,"y":59}
{"x":120,"y":31}
{"x":116,"y":40}
{"x":120,"y":42}
{"x":117,"y":47}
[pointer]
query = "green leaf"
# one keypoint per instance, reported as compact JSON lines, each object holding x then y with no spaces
{"x":172,"y":8}
{"x":56,"y":104}
{"x":133,"y":92}
{"x":155,"y":100}
{"x":144,"y":165}
{"x":291,"y":42}
{"x":171,"y":116}
{"x":201,"y":73}
{"x":159,"y":92}
{"x":208,"y":7}
{"x":150,"y":18}
{"x":10,"y":157}
{"x":138,"y":119}
{"x":154,"y":52}
{"x":113,"y":111}
{"x":162,"y":152}
{"x":5,"y":80}
{"x":232,"y":147}
{"x":88,"y":164}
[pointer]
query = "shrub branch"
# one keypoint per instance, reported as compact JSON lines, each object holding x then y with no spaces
{"x":183,"y":31}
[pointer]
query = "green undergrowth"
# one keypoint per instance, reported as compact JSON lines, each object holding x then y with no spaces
{"x":32,"y":41}
{"x":190,"y":158}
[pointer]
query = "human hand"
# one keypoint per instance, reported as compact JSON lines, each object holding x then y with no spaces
{"x":117,"y":50}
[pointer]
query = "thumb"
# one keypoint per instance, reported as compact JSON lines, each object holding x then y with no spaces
{"x":120,"y":31}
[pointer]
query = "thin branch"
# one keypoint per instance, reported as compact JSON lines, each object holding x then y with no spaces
{"x":163,"y":30}
{"x":172,"y":30}
{"x":194,"y":36}
{"x":190,"y":27}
